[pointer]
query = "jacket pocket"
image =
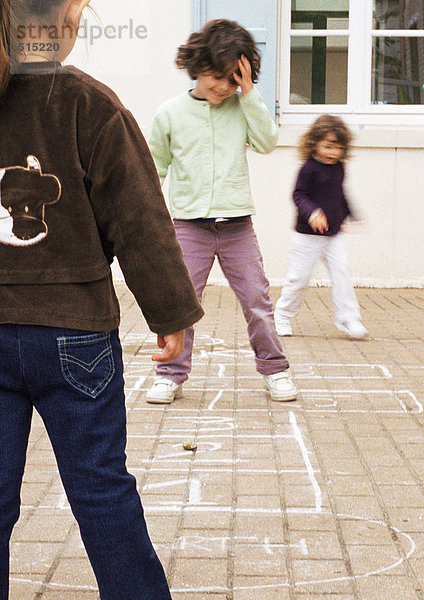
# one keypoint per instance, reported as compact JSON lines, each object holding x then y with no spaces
{"x":86,"y":362}
{"x":236,"y":193}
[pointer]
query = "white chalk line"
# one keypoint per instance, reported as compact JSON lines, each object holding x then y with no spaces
{"x":209,"y":544}
{"x":195,"y":495}
{"x":192,"y":387}
{"x":284,"y":584}
{"x":324,"y":410}
{"x":196,"y":505}
{"x":414,"y":399}
{"x":178,"y":433}
{"x":63,"y":502}
{"x":207,"y":507}
{"x":317,"y":394}
{"x":215,"y":400}
{"x":247,"y":511}
{"x":50,"y":585}
{"x":307,"y":461}
{"x":163,"y":484}
{"x":221,"y":371}
{"x":385,"y":372}
{"x":194,"y":491}
{"x":262,"y":391}
{"x":137,"y":386}
{"x":199,"y":469}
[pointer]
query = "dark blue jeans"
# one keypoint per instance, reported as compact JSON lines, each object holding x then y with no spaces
{"x":74,"y":379}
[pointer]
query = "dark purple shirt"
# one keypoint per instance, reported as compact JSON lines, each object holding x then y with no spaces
{"x":320,"y":186}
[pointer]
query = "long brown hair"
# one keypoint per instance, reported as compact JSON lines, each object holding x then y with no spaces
{"x":13,"y":13}
{"x":4,"y":45}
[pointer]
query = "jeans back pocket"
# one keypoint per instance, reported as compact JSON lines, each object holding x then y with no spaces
{"x":86,"y":362}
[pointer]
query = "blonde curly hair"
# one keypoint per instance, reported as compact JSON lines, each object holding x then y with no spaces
{"x":319,"y":129}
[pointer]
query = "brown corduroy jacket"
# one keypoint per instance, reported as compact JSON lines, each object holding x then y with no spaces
{"x":78,"y":187}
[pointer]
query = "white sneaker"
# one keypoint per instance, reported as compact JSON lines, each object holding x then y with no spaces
{"x":283,"y":326}
{"x":353,"y":329}
{"x":164,"y":391}
{"x":280,"y":387}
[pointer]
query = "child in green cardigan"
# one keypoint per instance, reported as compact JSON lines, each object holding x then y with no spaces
{"x":201,"y":137}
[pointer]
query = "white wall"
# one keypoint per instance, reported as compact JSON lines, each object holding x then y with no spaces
{"x":386,"y":172}
{"x":385,"y":185}
{"x":140,"y":71}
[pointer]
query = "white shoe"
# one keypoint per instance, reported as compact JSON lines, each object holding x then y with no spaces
{"x":353,"y":329}
{"x":283,"y":326}
{"x":280,"y":387}
{"x":164,"y":391}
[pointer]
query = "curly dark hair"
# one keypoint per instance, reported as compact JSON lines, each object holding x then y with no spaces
{"x":319,"y":129}
{"x":216,"y":47}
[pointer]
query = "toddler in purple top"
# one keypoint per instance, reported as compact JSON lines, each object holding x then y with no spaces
{"x":321,"y":209}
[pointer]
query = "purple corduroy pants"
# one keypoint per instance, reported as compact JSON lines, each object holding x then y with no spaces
{"x":235,"y":245}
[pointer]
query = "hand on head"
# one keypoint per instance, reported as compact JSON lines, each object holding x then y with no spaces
{"x":245,"y":80}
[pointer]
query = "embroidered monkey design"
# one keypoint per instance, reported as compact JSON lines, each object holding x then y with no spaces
{"x":24,"y":193}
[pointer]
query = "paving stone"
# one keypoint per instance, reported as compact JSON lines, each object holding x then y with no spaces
{"x":253,"y":588}
{"x":33,"y":557}
{"x":387,"y":586}
{"x":74,"y":573}
{"x":326,"y":493}
{"x":200,"y":573}
{"x":35,"y":528}
{"x":21,"y":588}
{"x":259,"y":525}
{"x":265,"y":559}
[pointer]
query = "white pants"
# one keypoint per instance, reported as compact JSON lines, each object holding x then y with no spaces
{"x":305,"y":252}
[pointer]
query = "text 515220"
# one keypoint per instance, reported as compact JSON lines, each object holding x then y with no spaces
{"x":38,"y":47}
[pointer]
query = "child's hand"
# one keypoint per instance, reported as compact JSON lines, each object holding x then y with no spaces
{"x":319,"y":223}
{"x":172,"y":345}
{"x":245,"y":81}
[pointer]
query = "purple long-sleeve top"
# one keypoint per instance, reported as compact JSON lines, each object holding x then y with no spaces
{"x":320,"y":186}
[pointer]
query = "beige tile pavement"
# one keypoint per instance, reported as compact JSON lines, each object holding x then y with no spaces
{"x":318,"y":498}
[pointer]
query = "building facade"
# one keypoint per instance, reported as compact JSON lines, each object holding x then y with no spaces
{"x":360,"y":59}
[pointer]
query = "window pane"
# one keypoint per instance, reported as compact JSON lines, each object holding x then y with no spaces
{"x":332,"y":23}
{"x":398,"y":14}
{"x":318,"y":70}
{"x":320,"y":14}
{"x":398,"y":70}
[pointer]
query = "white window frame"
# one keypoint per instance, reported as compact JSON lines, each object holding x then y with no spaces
{"x":360,"y":36}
